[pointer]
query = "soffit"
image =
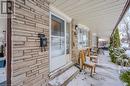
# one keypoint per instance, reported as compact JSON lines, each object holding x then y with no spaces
{"x":100,"y":16}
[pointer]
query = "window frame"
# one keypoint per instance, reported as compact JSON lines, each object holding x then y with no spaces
{"x":81,"y":32}
{"x":65,"y":54}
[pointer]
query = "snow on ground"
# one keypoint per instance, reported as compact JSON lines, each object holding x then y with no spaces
{"x":2,"y":75}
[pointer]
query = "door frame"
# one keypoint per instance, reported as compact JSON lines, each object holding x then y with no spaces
{"x":50,"y":59}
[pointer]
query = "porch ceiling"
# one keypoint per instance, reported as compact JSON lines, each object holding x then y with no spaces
{"x":100,"y":16}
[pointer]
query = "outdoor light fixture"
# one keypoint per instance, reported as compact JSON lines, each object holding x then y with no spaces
{"x":6,"y":7}
{"x":76,"y":27}
{"x":43,"y":41}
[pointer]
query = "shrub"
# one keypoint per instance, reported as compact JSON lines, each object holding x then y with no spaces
{"x":126,"y":77}
{"x":116,"y":38}
{"x":118,"y":56}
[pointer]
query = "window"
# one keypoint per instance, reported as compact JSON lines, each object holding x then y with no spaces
{"x":57,"y":36}
{"x":94,"y":40}
{"x":82,"y":38}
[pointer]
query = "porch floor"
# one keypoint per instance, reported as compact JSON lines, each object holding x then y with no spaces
{"x":107,"y":74}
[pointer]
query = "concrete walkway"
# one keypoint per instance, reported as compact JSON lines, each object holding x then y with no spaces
{"x":106,"y":74}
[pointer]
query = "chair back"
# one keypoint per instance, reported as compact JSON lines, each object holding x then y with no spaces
{"x":95,"y":51}
{"x":88,"y":52}
{"x":82,"y":56}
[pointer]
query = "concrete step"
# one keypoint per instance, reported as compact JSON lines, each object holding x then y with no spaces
{"x":60,"y":70}
{"x":64,"y":78}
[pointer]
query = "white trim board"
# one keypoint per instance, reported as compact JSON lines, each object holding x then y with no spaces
{"x":59,"y":13}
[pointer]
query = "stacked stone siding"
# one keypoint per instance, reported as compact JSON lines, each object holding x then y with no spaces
{"x":30,"y":66}
{"x":75,"y":50}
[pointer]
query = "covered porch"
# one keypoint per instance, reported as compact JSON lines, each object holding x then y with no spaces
{"x":49,"y":42}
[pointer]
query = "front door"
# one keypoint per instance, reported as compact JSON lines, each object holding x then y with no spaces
{"x":57,"y":43}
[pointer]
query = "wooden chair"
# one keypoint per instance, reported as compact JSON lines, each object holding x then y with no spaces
{"x":95,"y":51}
{"x":93,"y":58}
{"x":87,"y":63}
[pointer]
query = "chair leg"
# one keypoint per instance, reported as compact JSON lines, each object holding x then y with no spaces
{"x":83,"y":67}
{"x":94,"y":69}
{"x":91,"y":71}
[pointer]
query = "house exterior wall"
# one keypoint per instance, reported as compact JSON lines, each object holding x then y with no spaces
{"x":75,"y":50}
{"x":30,"y":66}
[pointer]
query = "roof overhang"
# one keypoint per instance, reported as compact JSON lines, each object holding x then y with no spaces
{"x":100,"y":16}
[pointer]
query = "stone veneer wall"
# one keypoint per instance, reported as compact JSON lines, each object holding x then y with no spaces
{"x":30,"y":66}
{"x":75,"y":51}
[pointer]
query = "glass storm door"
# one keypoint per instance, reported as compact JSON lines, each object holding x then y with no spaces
{"x":57,"y":45}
